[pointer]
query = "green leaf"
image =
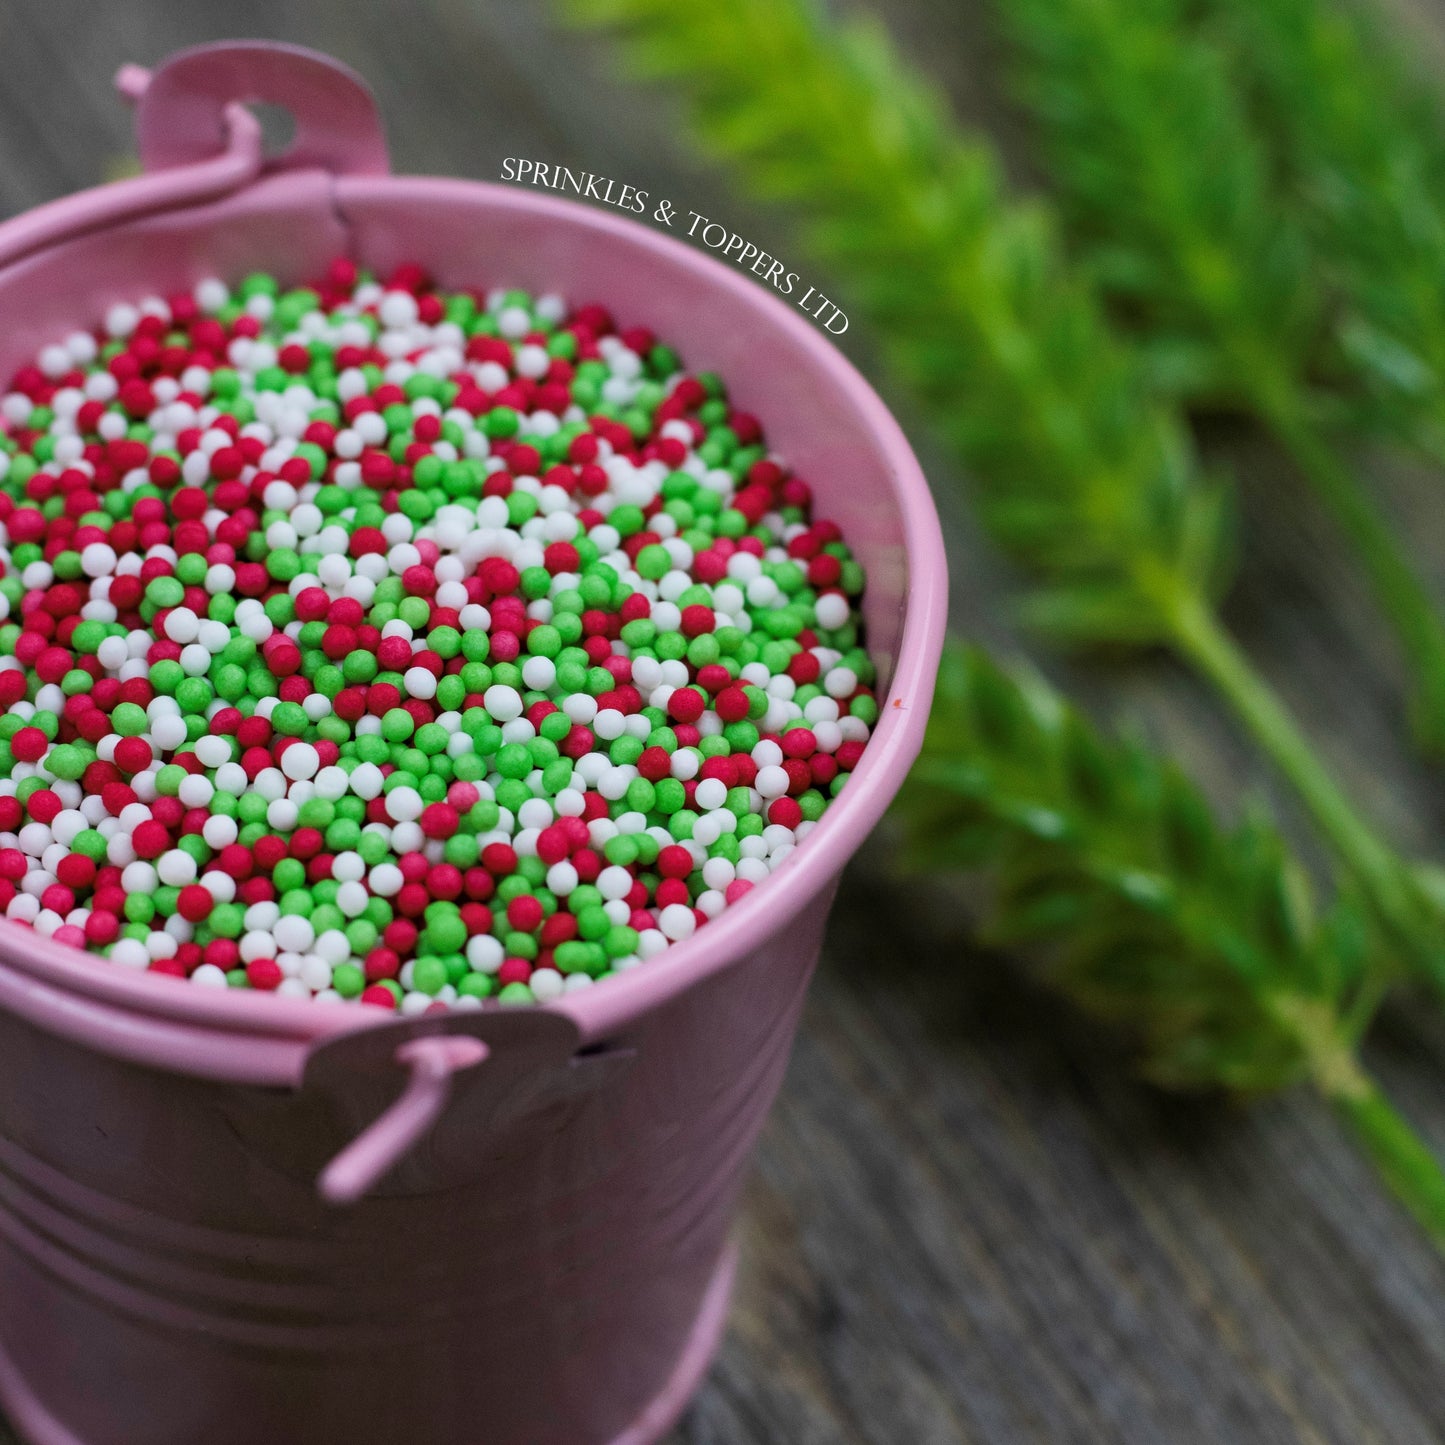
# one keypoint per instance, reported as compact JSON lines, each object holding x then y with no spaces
{"x":1082,"y":474}
{"x":1161,"y":138}
{"x":1357,"y":143}
{"x":1110,"y":863}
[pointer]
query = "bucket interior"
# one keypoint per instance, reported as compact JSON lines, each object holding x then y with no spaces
{"x":815,"y":411}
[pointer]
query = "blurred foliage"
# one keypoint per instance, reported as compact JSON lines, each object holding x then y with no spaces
{"x":1204,"y":941}
{"x":1355,"y":140}
{"x":1171,"y":186}
{"x":1169,"y":193}
{"x":1099,"y":494}
{"x":1201,"y":940}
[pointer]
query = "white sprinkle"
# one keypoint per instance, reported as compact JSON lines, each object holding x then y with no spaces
{"x":351,"y":899}
{"x":300,"y":760}
{"x":677,"y":921}
{"x":421,"y":683}
{"x":485,"y":953}
{"x":502,"y":702}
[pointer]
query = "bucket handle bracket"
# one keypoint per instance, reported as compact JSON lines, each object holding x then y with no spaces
{"x":198,"y":142}
{"x":393,"y":1134}
{"x":515,"y":1047}
{"x":183,"y":107}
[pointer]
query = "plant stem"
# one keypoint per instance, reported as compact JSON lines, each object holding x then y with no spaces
{"x":1213,"y":651}
{"x":1402,"y":595}
{"x":1398,"y":904}
{"x":1400,"y":1156}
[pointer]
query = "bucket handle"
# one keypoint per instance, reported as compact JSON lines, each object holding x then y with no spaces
{"x":433,"y":1061}
{"x":181,"y":111}
{"x":235,"y":163}
{"x":198,"y":141}
{"x":532,"y":1056}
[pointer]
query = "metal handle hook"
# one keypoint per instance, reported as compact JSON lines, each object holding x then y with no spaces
{"x":181,"y":109}
{"x":374,"y":1152}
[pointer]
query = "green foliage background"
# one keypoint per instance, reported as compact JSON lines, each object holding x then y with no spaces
{"x":1245,"y":212}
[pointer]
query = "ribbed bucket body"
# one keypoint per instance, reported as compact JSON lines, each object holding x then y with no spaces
{"x":549,"y":1266}
{"x":534,"y":1273}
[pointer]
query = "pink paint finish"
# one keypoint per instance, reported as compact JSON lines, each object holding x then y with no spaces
{"x":533,"y":1249}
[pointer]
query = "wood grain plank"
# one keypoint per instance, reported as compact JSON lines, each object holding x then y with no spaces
{"x":966,"y":1223}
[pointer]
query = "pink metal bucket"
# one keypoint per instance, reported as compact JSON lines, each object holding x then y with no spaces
{"x":234,"y":1218}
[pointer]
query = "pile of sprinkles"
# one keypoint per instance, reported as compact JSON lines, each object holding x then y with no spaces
{"x":365,"y":642}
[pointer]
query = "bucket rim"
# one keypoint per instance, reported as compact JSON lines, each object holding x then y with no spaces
{"x":742,"y":927}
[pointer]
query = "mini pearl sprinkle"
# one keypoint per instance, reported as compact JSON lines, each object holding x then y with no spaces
{"x":378,"y":645}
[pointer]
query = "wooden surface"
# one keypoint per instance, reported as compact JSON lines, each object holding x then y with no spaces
{"x":967,"y":1223}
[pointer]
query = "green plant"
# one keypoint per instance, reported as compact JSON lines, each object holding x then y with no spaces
{"x":1085,"y":473}
{"x":1171,"y":189}
{"x":1203,"y":943}
{"x":1356,"y":144}
{"x":1102,"y":497}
